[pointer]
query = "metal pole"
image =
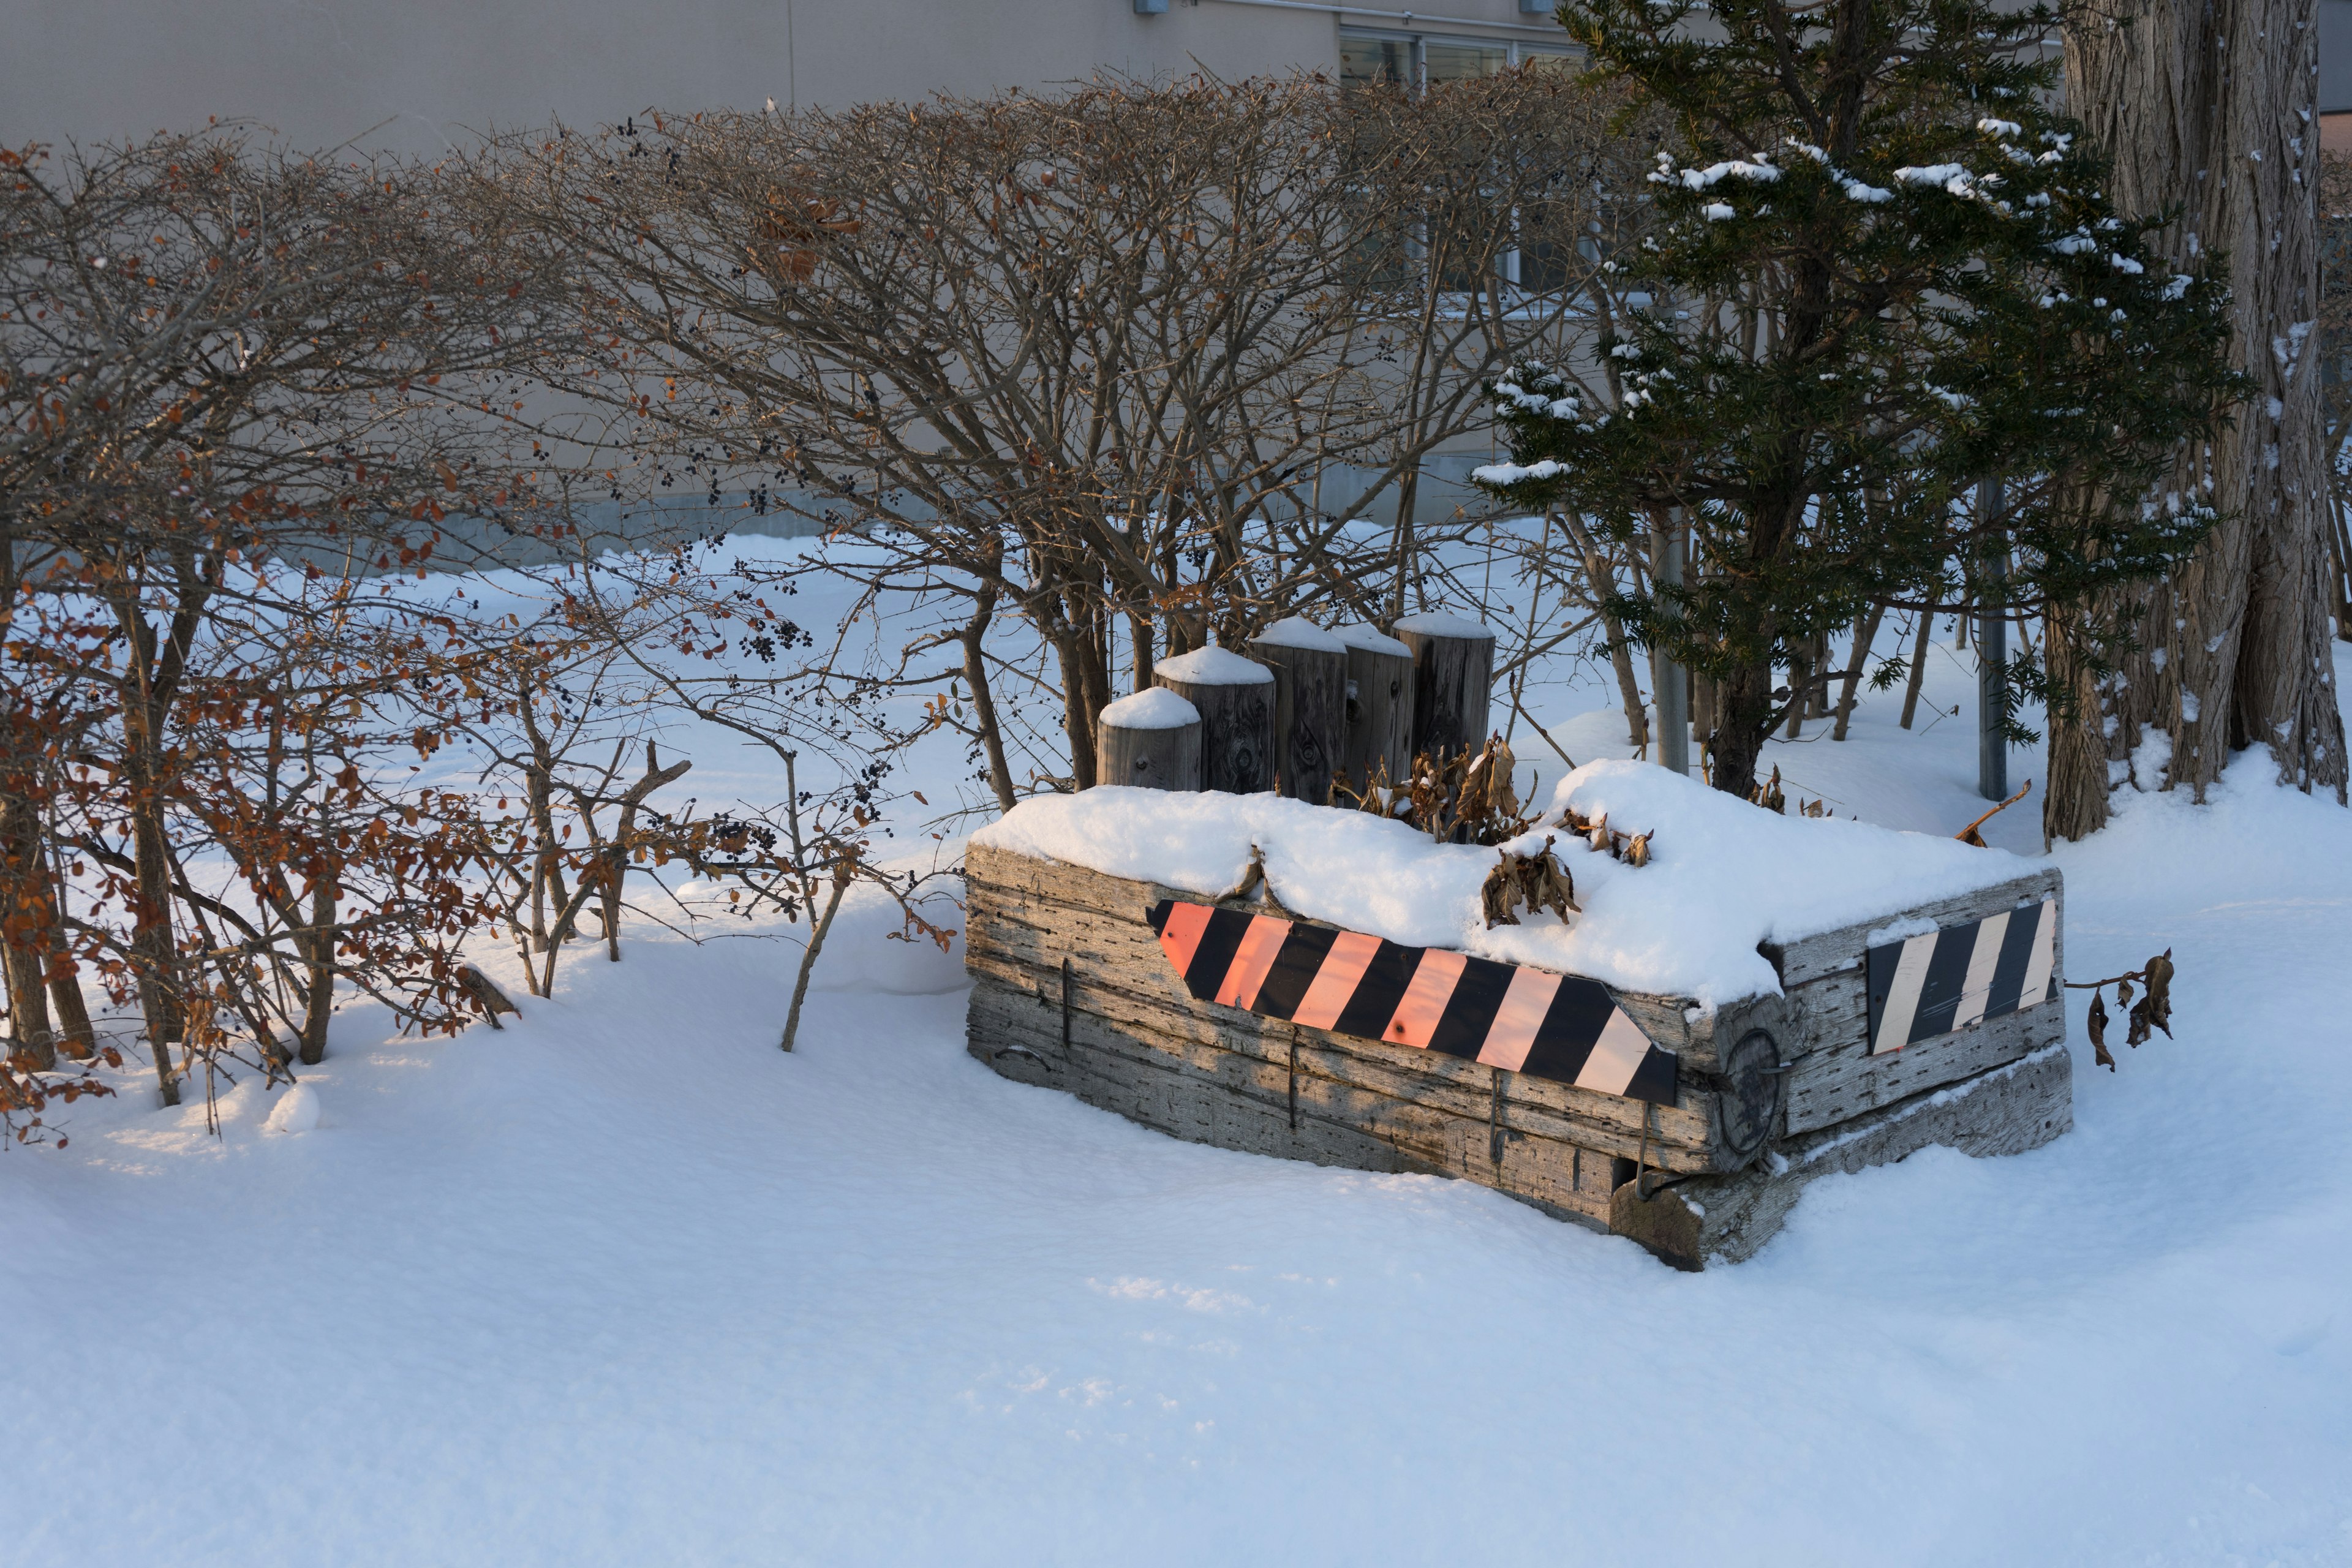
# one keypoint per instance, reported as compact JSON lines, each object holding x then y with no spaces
{"x":1992,"y":655}
{"x":1667,"y":678}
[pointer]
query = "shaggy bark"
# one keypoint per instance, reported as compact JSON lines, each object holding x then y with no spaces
{"x":2211,"y":105}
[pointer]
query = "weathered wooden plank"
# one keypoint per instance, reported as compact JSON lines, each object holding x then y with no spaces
{"x":1244,"y":1103}
{"x":1681,"y":1139}
{"x":1805,"y":961}
{"x":998,"y":883}
{"x":1840,"y":1079}
{"x":1134,"y":980}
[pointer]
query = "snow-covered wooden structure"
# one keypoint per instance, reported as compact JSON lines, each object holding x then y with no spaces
{"x":1767,"y":1000}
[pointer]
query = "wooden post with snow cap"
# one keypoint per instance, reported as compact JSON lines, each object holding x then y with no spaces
{"x":1380,"y":706}
{"x":1150,"y":741}
{"x":1235,"y":700}
{"x":1310,"y":705}
{"x":1452,"y":676}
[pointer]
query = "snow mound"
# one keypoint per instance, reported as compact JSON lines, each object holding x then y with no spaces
{"x":1153,"y":708}
{"x":1295,"y":631}
{"x":296,"y":1110}
{"x":1724,"y":875}
{"x":1214,"y":667}
{"x":1437,"y":624}
{"x":1371,"y":638}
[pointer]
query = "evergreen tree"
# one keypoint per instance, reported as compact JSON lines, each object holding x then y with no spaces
{"x":1882,"y":268}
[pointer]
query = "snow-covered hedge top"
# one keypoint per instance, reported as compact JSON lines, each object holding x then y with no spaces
{"x":1724,"y":876}
{"x":1292,"y":631}
{"x":1358,"y":635}
{"x":1153,"y":708}
{"x":1437,"y":624}
{"x":1213,"y":666}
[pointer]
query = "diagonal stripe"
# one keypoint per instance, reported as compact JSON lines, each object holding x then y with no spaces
{"x":1903,"y":995}
{"x":1653,"y":1080}
{"x":1616,"y":1055}
{"x":1284,"y":985}
{"x":1385,"y":981}
{"x":1579,"y":1013}
{"x":1414,"y":1022}
{"x":2016,"y":952}
{"x":1512,"y":1033}
{"x":1179,"y":933}
{"x":1255,"y":955}
{"x":1351,"y":954}
{"x":1477,"y":997}
{"x":1939,"y":993}
{"x":2039,"y":967}
{"x":1976,"y":991}
{"x":1214,"y":953}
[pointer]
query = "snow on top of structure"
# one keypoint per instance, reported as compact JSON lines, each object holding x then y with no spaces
{"x":1358,"y":635}
{"x":1438,"y":624}
{"x":1153,"y":708}
{"x":1296,"y":631}
{"x":1213,"y":666}
{"x":1724,"y":875}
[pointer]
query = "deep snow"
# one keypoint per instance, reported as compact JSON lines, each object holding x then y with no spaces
{"x":621,"y":1284}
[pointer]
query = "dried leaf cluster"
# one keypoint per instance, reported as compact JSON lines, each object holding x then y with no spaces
{"x":2151,"y":1011}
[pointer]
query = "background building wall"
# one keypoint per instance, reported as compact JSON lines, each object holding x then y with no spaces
{"x":412,"y":74}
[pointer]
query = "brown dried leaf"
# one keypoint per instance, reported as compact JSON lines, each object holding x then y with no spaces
{"x":2159,"y":975}
{"x":2098,"y":1025}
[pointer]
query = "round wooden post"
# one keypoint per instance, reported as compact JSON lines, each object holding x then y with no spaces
{"x":1310,"y":705}
{"x":1150,"y":741}
{"x":1453,"y":673}
{"x":1380,"y":706}
{"x":1236,"y":697}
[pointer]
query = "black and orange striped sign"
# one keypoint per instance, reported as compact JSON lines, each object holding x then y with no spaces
{"x":1505,"y":1015}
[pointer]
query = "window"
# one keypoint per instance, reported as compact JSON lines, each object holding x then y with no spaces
{"x":1444,"y":62}
{"x":1375,"y":62}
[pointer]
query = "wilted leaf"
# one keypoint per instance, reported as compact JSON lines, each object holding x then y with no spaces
{"x":2098,"y":1025}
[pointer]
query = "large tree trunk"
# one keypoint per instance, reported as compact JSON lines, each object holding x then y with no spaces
{"x":2212,"y":103}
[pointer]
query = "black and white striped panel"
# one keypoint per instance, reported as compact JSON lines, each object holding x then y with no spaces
{"x":1961,"y":976}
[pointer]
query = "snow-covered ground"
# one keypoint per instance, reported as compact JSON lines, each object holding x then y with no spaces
{"x":622,"y":1284}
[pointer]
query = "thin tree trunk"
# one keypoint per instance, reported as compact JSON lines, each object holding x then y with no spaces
{"x":1621,"y":657}
{"x":1865,"y":634}
{"x":1918,"y":671}
{"x":983,"y":697}
{"x":2212,"y":105}
{"x":808,"y":959}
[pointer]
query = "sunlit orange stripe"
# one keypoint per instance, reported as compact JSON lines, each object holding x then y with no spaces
{"x":1512,"y":1035}
{"x":1255,"y":955}
{"x":1424,"y":1000}
{"x":1343,"y":968}
{"x":1181,"y":934}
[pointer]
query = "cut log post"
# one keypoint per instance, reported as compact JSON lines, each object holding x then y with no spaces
{"x":1380,"y":706}
{"x":1235,"y":700}
{"x":1310,"y":705}
{"x":1150,"y":741}
{"x":1452,"y":674}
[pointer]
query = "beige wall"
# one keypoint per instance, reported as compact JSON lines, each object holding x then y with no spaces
{"x":413,"y":72}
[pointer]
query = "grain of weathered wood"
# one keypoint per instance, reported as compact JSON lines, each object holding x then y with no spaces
{"x":1241,"y":1102}
{"x":1236,"y":732}
{"x":1162,"y":758}
{"x":1379,"y":714}
{"x":998,"y":875}
{"x":1809,"y":958}
{"x":1453,"y":680}
{"x":1310,"y":716}
{"x":1681,"y":1140}
{"x":1840,"y":1079}
{"x":1120,"y":962}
